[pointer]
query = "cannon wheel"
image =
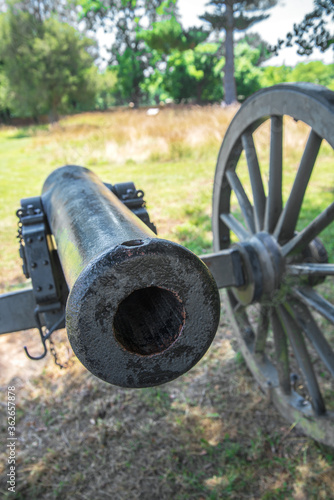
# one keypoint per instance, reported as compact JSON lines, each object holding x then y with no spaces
{"x":286,"y":337}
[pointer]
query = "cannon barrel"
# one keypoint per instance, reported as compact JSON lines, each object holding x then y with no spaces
{"x":141,"y":310}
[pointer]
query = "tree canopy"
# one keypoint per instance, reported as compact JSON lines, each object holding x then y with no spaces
{"x":47,"y":63}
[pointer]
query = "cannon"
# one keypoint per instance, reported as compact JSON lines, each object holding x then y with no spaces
{"x":140,"y":310}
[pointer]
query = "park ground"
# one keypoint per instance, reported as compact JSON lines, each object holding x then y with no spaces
{"x":211,"y":434}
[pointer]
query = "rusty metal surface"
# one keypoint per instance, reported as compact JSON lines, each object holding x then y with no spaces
{"x":141,"y":310}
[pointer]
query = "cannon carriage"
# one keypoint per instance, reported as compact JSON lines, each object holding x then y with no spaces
{"x":141,"y":310}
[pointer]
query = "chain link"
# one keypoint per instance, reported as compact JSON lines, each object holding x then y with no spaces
{"x":19,"y":236}
{"x":55,"y":356}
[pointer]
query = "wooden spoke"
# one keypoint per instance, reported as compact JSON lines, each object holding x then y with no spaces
{"x":306,"y":321}
{"x":288,"y":219}
{"x":245,"y":205}
{"x":311,"y":298}
{"x":281,"y":352}
{"x":262,"y":331}
{"x":259,"y":196}
{"x":303,"y":238}
{"x":309,"y":269}
{"x":303,"y":358}
{"x":235,"y":226}
{"x":274,"y":200}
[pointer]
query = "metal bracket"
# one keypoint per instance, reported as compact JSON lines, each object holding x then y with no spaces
{"x":132,"y":198}
{"x":40,"y":263}
{"x":37,"y":256}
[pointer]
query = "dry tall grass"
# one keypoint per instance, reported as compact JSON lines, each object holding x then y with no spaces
{"x":132,"y":135}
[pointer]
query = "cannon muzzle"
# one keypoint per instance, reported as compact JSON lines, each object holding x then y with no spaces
{"x":141,"y":310}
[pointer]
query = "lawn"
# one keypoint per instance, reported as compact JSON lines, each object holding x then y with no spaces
{"x":211,"y":434}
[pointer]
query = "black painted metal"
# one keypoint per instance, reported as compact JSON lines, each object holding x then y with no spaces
{"x":226,"y":267}
{"x":141,"y":310}
{"x":17,"y":311}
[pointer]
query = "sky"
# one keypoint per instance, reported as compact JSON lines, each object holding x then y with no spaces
{"x":280,"y":22}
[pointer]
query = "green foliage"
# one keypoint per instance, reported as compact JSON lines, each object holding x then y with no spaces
{"x":255,"y":41}
{"x":247,"y":73}
{"x":47,"y":64}
{"x":194,"y":74}
{"x":41,"y":10}
{"x":6,"y":97}
{"x":272,"y":75}
{"x":105,"y":89}
{"x":313,"y":72}
{"x":130,"y":74}
{"x":153,"y":87}
{"x":314,"y":31}
{"x":168,"y":35}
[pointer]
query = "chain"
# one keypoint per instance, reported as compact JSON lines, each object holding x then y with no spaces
{"x":19,"y":214}
{"x":55,"y":356}
{"x":19,"y":236}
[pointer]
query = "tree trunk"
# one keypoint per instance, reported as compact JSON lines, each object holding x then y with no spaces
{"x":53,"y":111}
{"x":135,"y":97}
{"x":53,"y":115}
{"x":230,"y":89}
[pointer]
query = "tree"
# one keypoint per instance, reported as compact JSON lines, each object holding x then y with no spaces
{"x":125,"y":20}
{"x":313,"y":31}
{"x":229,"y":16}
{"x":47,"y":63}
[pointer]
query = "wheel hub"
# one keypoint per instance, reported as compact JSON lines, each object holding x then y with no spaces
{"x":263,"y":267}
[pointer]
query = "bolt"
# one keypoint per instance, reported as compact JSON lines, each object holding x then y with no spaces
{"x":29,"y":240}
{"x":50,"y":286}
{"x":40,"y":238}
{"x":39,"y":289}
{"x":45,"y":262}
{"x":33,"y":265}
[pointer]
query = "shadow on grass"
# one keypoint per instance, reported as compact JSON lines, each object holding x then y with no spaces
{"x":25,"y":132}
